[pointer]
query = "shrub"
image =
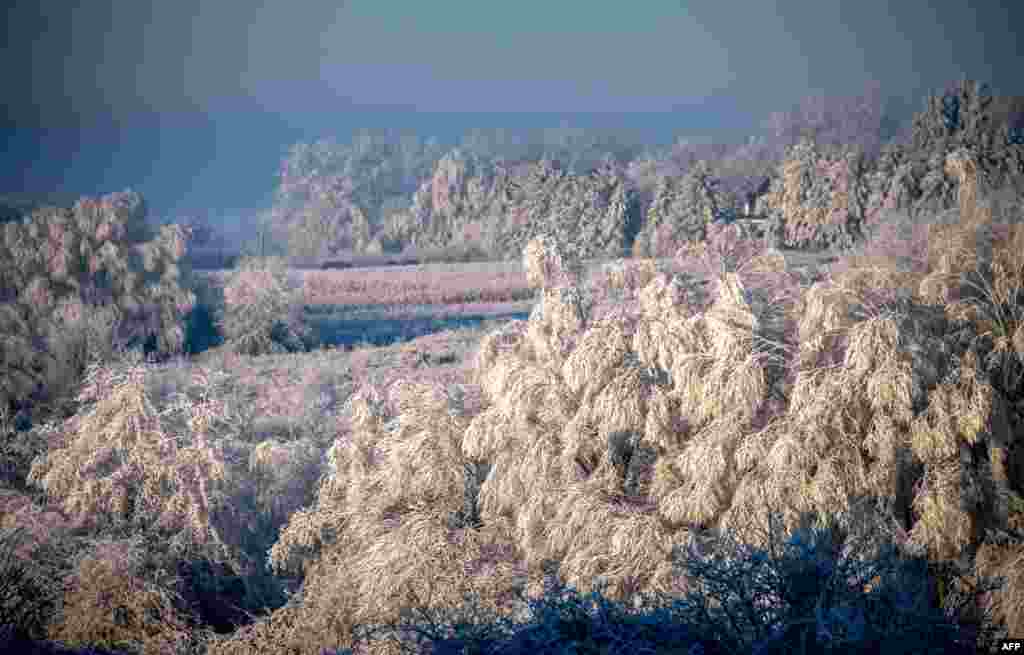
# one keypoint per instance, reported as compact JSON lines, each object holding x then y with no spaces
{"x":132,"y":459}
{"x":27,"y":596}
{"x":75,"y":283}
{"x":629,"y":275}
{"x":827,"y":590}
{"x":679,"y":213}
{"x":120,"y":597}
{"x":913,"y":176}
{"x":163,"y":460}
{"x":805,"y":592}
{"x":818,"y":199}
{"x":548,"y":263}
{"x":79,"y":335}
{"x":19,"y":445}
{"x":263,"y":308}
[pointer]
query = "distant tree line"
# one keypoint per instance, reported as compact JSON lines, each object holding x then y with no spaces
{"x":336,"y":198}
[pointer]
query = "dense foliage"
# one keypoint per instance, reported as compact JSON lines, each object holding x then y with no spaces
{"x":876,"y":410}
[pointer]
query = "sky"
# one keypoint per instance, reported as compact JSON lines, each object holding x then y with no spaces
{"x":195,"y":103}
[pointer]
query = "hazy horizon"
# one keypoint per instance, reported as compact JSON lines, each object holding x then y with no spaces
{"x":195,"y":104}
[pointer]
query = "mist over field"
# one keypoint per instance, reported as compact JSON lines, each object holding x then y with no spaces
{"x":195,"y":105}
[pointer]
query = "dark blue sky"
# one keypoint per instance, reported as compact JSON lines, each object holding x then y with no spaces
{"x":193,"y":103}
